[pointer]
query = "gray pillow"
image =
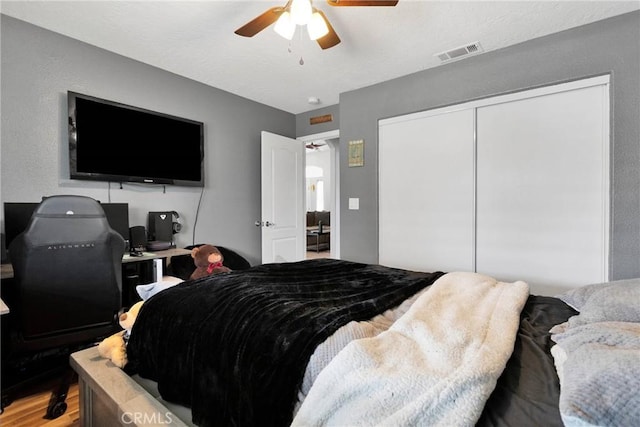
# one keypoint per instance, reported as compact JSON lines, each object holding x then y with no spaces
{"x":618,"y":302}
{"x":577,"y":298}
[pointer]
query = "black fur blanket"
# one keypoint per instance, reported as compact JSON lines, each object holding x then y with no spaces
{"x":234,"y":347}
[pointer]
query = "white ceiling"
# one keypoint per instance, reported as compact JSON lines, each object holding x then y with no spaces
{"x":196,"y":39}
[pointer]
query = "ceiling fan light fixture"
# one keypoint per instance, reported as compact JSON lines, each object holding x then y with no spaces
{"x":301,"y":11}
{"x":317,"y":27}
{"x":285,"y":26}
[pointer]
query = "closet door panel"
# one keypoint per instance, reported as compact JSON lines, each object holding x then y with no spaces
{"x":426,"y":169}
{"x":542,"y":188}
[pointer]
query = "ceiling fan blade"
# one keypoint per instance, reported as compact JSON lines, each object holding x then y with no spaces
{"x":253,"y":27}
{"x":362,"y":2}
{"x":331,"y":38}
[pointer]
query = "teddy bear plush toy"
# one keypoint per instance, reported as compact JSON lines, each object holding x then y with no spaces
{"x":115,"y":346}
{"x":208,"y":260}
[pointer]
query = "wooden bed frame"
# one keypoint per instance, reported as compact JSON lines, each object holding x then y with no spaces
{"x":110,"y":397}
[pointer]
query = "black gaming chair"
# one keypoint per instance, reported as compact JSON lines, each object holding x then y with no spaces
{"x":68,"y":282}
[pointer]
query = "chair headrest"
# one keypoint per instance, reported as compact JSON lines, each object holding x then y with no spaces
{"x":64,"y":219}
{"x":69,"y":205}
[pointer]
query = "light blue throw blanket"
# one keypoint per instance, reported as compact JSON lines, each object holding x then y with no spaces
{"x":598,"y":359}
{"x":600,"y":379}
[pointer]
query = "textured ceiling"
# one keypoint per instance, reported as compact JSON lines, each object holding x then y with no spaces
{"x":196,"y":39}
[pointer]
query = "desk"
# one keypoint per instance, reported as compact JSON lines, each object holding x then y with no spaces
{"x":155,"y":255}
{"x":6,"y":273}
{"x":140,"y":270}
{"x":6,"y":270}
{"x":136,"y":270}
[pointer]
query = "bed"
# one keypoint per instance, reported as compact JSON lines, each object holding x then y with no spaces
{"x":330,"y":342}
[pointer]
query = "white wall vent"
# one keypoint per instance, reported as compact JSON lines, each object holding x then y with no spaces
{"x":468,"y":49}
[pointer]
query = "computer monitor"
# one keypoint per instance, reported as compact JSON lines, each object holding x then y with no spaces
{"x":16,"y":219}
{"x":118,"y":217}
{"x":18,"y":214}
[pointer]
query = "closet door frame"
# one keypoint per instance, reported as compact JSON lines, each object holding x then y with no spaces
{"x":601,"y":80}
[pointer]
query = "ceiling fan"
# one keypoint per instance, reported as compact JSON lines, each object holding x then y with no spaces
{"x":314,"y":146}
{"x":302,"y":12}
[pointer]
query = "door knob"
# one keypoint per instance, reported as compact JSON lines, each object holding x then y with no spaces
{"x":266,"y":224}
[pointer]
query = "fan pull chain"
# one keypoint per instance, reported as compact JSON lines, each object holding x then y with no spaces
{"x":290,"y":50}
{"x":301,"y":41}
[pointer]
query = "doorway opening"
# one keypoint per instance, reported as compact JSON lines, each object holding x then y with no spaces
{"x":321,"y":195}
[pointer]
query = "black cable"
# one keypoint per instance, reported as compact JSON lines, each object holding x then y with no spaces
{"x":195,"y":221}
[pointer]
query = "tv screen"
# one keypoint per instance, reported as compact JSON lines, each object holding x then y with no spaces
{"x":109,"y":141}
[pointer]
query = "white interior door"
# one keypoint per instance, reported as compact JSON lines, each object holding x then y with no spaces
{"x":282,"y":222}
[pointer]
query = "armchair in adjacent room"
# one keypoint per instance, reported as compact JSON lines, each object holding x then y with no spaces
{"x":318,"y":230}
{"x":67,"y":286}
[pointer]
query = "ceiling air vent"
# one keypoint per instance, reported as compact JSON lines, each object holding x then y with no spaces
{"x":459,"y":52}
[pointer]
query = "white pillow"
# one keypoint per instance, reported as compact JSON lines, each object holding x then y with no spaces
{"x":147,"y":291}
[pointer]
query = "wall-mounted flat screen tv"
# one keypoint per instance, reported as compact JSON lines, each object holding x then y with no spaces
{"x":110,"y":141}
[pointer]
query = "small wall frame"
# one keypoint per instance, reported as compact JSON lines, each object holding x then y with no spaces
{"x":356,"y":153}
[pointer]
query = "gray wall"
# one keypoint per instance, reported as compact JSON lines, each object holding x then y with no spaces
{"x":39,"y":67}
{"x":610,"y":46}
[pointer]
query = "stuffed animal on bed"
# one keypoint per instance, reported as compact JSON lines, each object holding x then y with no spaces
{"x":208,"y":260}
{"x":115,"y":346}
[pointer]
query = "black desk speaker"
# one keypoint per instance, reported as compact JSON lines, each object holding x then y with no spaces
{"x":161,"y":226}
{"x":137,"y":238}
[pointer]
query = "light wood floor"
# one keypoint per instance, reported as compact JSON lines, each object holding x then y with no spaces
{"x":29,"y":410}
{"x":321,"y":254}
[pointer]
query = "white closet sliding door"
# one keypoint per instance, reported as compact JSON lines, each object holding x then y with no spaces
{"x":515,"y":186}
{"x":543,"y":189}
{"x":426,"y":191}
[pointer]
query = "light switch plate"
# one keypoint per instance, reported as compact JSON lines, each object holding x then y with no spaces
{"x":354,"y":203}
